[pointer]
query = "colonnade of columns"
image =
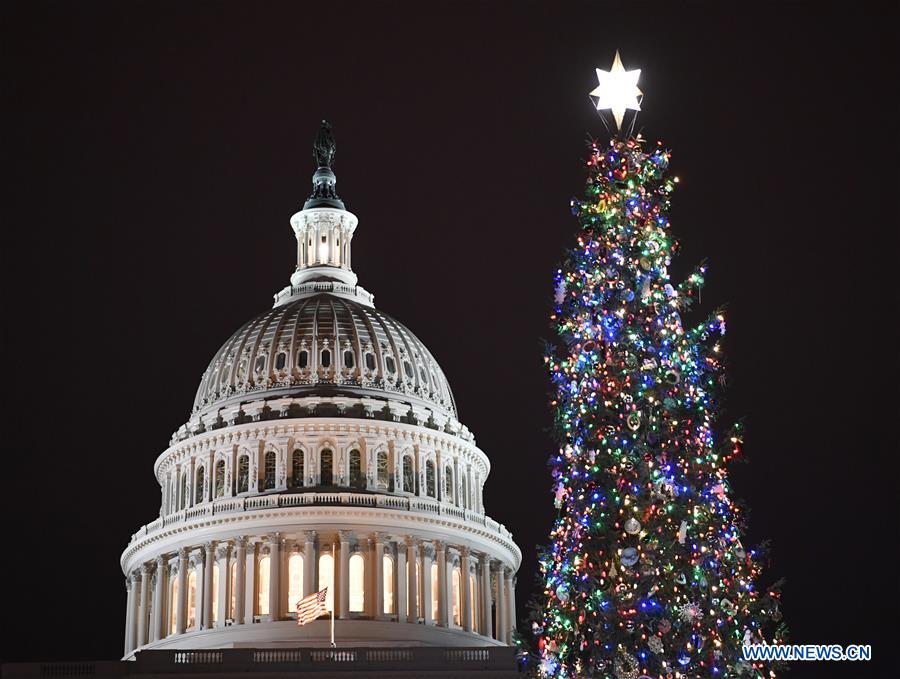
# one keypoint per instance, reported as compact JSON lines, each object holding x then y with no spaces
{"x":249,"y":580}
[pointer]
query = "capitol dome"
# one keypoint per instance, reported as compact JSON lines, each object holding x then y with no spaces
{"x":323,"y":453}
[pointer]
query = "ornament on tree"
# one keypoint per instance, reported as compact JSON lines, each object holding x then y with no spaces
{"x":727,"y":607}
{"x":690,"y":612}
{"x":629,"y":556}
{"x":664,"y":626}
{"x":634,"y":421}
{"x":632,"y":526}
{"x":626,"y":666}
{"x":655,"y":644}
{"x":682,"y":532}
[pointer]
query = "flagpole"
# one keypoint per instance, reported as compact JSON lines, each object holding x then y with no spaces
{"x":332,"y":623}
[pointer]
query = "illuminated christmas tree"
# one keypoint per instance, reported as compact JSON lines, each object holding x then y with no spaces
{"x":645,"y":573}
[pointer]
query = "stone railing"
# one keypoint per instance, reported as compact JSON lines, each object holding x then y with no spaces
{"x":498,"y":662}
{"x":236,"y":505}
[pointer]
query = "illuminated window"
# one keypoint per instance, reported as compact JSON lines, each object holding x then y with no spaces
{"x":269,"y":478}
{"x":326,"y":468}
{"x":357,"y":480}
{"x":295,"y":580}
{"x":173,"y":603}
{"x":326,"y":579}
{"x":232,"y":581}
{"x":409,"y":477}
{"x":220,"y":478}
{"x":435,"y":594}
{"x":388,"y":576}
{"x":429,"y":478}
{"x":198,"y":486}
{"x":297,"y":469}
{"x":192,"y":599}
{"x":381,"y":464}
{"x":357,"y":583}
{"x":448,"y":484}
{"x":243,"y":474}
{"x":215,"y":593}
{"x":457,"y":597}
{"x":262,"y":592}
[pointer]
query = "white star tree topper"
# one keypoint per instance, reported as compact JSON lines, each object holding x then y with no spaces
{"x":617,"y":90}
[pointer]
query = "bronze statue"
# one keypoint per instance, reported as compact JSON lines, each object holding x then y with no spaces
{"x":324,"y":146}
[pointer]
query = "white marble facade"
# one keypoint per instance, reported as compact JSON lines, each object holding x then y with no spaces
{"x":324,"y":449}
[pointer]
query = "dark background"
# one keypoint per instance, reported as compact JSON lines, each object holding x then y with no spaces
{"x":155,"y":151}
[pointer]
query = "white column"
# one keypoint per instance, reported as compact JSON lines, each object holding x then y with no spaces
{"x":443,"y":615}
{"x":310,"y":563}
{"x":344,"y":582}
{"x":275,"y":576}
{"x":400,"y":587}
{"x":240,"y":579}
{"x":486,"y":596}
{"x":181,"y":598}
{"x":412,"y":594}
{"x":130,"y":586}
{"x":378,"y":563}
{"x":511,"y":604}
{"x":209,"y":558}
{"x":222,"y":594}
{"x":464,"y":593}
{"x":427,"y":555}
{"x":250,"y":583}
{"x":502,"y":618}
{"x":139,"y":633}
{"x":159,"y":600}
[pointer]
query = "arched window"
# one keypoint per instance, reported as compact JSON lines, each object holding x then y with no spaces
{"x":326,"y":579}
{"x":303,"y":359}
{"x":269,"y":478}
{"x":388,"y":573}
{"x":407,"y":368}
{"x":173,"y":603}
{"x":262,"y":593}
{"x":370,"y":360}
{"x":349,"y":360}
{"x":357,"y":583}
{"x":457,"y":597}
{"x":215,"y":593}
{"x":390,"y":365}
{"x":297,"y":469}
{"x":429,"y":478}
{"x":280,"y":360}
{"x":198,"y":485}
{"x":232,"y":581}
{"x":357,"y":480}
{"x":185,"y":488}
{"x":260,"y":364}
{"x":220,"y":478}
{"x":435,"y":593}
{"x":381,"y":468}
{"x":295,"y":580}
{"x":191,"y":599}
{"x":243,"y":475}
{"x":242,"y":369}
{"x":325,"y":360}
{"x":326,"y":468}
{"x":409,"y":476}
{"x":448,"y":484}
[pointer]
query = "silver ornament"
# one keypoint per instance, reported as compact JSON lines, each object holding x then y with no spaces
{"x":655,"y":644}
{"x":632,"y":526}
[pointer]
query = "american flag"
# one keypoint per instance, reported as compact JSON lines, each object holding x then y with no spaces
{"x":311,"y":606}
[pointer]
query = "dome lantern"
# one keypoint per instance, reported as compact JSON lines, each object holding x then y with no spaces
{"x":323,"y":228}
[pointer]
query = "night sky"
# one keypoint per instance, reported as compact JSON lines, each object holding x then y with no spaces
{"x":154,"y":153}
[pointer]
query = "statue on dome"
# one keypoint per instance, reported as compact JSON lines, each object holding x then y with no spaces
{"x":324,"y":147}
